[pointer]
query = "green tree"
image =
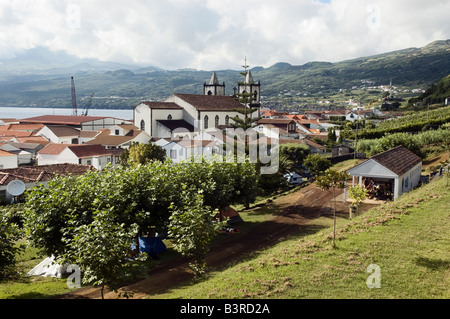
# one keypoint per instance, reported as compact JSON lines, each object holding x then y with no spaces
{"x":192,"y":228}
{"x":295,"y":152}
{"x":331,"y":181}
{"x":246,"y":99}
{"x":123,"y":202}
{"x":101,"y":249}
{"x":139,"y":153}
{"x":317,"y":163}
{"x":358,"y":195}
{"x":10,"y":232}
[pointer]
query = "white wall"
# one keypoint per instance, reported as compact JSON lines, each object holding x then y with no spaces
{"x":142,"y":112}
{"x":409,"y":180}
{"x":8,"y":161}
{"x":66,"y":156}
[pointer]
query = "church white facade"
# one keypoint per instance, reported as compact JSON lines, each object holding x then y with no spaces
{"x":192,"y":115}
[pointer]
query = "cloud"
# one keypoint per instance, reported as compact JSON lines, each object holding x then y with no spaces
{"x":217,"y":34}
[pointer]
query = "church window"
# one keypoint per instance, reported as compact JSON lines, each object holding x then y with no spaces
{"x":169,"y":117}
{"x":227,"y":120}
{"x":217,"y":120}
{"x":142,"y":125}
{"x":209,"y":93}
{"x":206,"y":122}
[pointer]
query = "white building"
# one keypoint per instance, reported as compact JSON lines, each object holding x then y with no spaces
{"x":85,"y":123}
{"x":398,"y":170}
{"x":96,"y":155}
{"x":60,"y":134}
{"x":190,"y":115}
{"x":120,"y":136}
{"x":8,"y":159}
{"x":182,"y":150}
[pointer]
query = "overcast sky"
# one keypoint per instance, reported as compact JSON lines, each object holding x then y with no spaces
{"x":218,"y":34}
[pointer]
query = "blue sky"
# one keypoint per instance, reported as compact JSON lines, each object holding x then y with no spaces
{"x":218,"y":34}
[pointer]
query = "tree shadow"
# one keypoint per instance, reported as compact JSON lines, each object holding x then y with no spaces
{"x":433,"y":264}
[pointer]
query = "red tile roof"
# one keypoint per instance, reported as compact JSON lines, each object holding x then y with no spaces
{"x":211,"y":102}
{"x":61,"y":119}
{"x":5,"y":153}
{"x":162,"y":105}
{"x":80,"y":150}
{"x":15,"y":133}
{"x":53,"y":149}
{"x":63,"y":130}
{"x":31,"y":174}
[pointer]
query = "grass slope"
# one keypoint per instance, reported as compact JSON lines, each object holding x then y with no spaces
{"x":408,"y":240}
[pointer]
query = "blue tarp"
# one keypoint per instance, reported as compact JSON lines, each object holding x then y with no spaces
{"x":153,"y":245}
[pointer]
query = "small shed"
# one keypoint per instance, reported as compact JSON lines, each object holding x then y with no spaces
{"x":390,"y":173}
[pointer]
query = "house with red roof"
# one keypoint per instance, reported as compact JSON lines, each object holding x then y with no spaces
{"x":85,"y":123}
{"x":8,"y":159}
{"x":96,"y":155}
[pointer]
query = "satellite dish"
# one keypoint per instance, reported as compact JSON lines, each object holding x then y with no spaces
{"x":16,"y":187}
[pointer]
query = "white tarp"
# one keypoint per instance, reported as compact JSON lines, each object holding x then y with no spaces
{"x":48,"y":268}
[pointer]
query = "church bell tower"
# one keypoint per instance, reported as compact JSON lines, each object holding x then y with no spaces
{"x":251,"y":87}
{"x":214,"y":88}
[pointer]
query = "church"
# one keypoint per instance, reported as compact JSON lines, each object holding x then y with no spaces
{"x":191,"y":114}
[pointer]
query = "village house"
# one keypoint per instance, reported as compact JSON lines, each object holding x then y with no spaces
{"x":85,"y":123}
{"x":8,"y":159}
{"x":389,"y":174}
{"x":289,"y":127}
{"x":120,"y":136}
{"x":65,"y":134}
{"x":96,"y":155}
{"x":23,"y":157}
{"x":182,"y":150}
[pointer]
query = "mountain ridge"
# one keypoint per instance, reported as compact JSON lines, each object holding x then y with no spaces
{"x":131,"y":84}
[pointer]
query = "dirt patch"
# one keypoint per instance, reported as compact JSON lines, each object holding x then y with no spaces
{"x":296,"y":211}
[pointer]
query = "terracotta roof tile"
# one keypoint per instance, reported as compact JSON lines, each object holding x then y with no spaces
{"x":53,"y":149}
{"x":61,"y":119}
{"x":31,"y":174}
{"x":85,"y":150}
{"x":210,"y":102}
{"x":162,"y":105}
{"x":63,"y":130}
{"x":5,"y":153}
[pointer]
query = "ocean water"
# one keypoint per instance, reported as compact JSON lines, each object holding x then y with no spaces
{"x":25,"y":112}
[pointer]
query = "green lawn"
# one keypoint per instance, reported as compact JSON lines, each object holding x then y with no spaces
{"x":408,"y":240}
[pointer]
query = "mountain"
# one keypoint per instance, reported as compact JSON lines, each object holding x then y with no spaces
{"x":44,"y":83}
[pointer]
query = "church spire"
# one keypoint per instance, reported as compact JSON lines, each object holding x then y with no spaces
{"x":214,"y":80}
{"x":214,"y":88}
{"x":249,"y":78}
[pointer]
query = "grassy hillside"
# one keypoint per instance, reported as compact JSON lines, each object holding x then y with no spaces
{"x":436,"y":94}
{"x":407,"y":239}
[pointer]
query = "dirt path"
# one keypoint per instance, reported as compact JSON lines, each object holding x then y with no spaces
{"x":296,"y":212}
